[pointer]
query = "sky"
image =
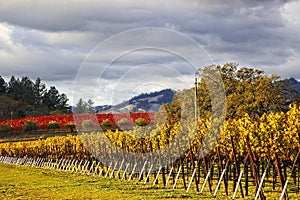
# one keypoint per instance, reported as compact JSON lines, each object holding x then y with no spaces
{"x":109,"y":51}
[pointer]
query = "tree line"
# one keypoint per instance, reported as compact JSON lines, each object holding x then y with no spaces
{"x":21,"y":97}
{"x":247,"y":90}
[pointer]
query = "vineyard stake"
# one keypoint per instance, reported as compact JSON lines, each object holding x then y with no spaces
{"x":106,"y":174}
{"x":286,"y":182}
{"x":43,"y":162}
{"x":261,"y":181}
{"x":86,"y":167}
{"x":81,"y":167}
{"x":65,"y":164}
{"x":219,"y":182}
{"x":132,"y":172}
{"x":53,"y":165}
{"x":251,"y":158}
{"x":148,"y":174}
{"x":142,"y":170}
{"x":124,"y":173}
{"x":59,"y":163}
{"x":33,"y":162}
{"x":73,"y":169}
{"x":194,"y":172}
{"x":121,"y":165}
{"x":283,"y":191}
{"x":91,"y":168}
{"x":177,"y":176}
{"x":169,"y":175}
{"x":100,"y":172}
{"x":62,"y":164}
{"x":237,"y":166}
{"x":78,"y":166}
{"x":112,"y":172}
{"x":237,"y":184}
{"x":156,"y":178}
{"x":47,"y":164}
{"x":40,"y":162}
{"x":69,"y":164}
{"x":17,"y":162}
{"x":221,"y":169}
{"x":96,"y":168}
{"x":204,"y":183}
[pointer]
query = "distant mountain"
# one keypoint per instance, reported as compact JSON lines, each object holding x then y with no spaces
{"x":295,"y":84}
{"x":146,"y":102}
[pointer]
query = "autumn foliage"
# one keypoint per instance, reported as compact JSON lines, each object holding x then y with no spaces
{"x":63,"y":120}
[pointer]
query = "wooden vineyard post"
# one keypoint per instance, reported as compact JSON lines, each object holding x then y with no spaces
{"x":113,"y":170}
{"x":278,"y":168}
{"x":273,"y":176}
{"x":91,"y":168}
{"x":172,"y":167}
{"x":279,"y":172}
{"x":261,"y":181}
{"x":220,"y":179}
{"x":286,"y":182}
{"x":194,"y":177}
{"x":261,"y":194}
{"x":169,"y":175}
{"x":74,"y":167}
{"x":120,"y":167}
{"x":177,"y":176}
{"x":207,"y":179}
{"x":108,"y":169}
{"x":157,"y":175}
{"x":148,"y":174}
{"x":96,"y":168}
{"x":124,"y":173}
{"x":133,"y":170}
{"x":161,"y":168}
{"x":240,"y":177}
{"x":152,"y":161}
{"x":221,"y":169}
{"x":237,"y":166}
{"x":85,"y":167}
{"x":142,"y":171}
{"x":181,"y":164}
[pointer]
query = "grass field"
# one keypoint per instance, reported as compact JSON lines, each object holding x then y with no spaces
{"x":19,"y":182}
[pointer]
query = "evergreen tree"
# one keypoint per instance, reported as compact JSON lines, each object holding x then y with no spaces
{"x":40,"y":90}
{"x":3,"y":86}
{"x":81,"y":107}
{"x":54,"y":101}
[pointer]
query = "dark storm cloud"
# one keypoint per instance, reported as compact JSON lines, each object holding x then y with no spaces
{"x":51,"y":39}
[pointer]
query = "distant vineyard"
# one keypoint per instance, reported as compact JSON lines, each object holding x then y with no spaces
{"x":43,"y":121}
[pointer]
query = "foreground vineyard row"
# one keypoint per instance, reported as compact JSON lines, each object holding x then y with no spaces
{"x":173,"y":177}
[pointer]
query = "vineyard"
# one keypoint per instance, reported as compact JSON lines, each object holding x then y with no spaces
{"x":255,"y":157}
{"x":64,"y":120}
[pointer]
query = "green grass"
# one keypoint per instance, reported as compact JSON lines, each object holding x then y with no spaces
{"x":19,"y":182}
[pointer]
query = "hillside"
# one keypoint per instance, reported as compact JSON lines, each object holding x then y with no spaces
{"x":295,"y":84}
{"x":146,"y":102}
